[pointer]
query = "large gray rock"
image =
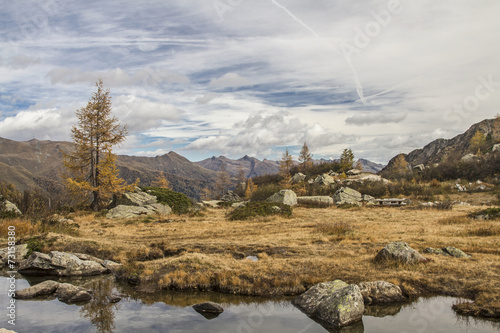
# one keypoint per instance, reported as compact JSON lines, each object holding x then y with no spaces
{"x":401,"y":252}
{"x":496,"y":148}
{"x":298,"y":178}
{"x":60,"y":264}
{"x":448,"y":251}
{"x":286,"y":197}
{"x":369,"y":199}
{"x":136,"y":198}
{"x":20,"y":251}
{"x":159,"y":208}
{"x":380,"y":292}
{"x":468,"y":158}
{"x":69,"y":293}
{"x":8,"y":206}
{"x":45,"y":288}
{"x":346,"y":195}
{"x":335,"y":303}
{"x":230,"y":196}
{"x":127,"y":212}
{"x":208,"y":307}
{"x":65,"y":292}
{"x":354,"y":172}
{"x":324,"y":179}
{"x":317,"y":201}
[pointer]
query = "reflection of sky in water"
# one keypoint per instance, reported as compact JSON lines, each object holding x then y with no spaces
{"x":425,"y":315}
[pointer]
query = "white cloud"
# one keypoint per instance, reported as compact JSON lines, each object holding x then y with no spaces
{"x":376,"y":118}
{"x":141,"y":114}
{"x":265,"y":131}
{"x":38,"y":124}
{"x":118,"y":77}
{"x":207,"y":98}
{"x":230,"y":80}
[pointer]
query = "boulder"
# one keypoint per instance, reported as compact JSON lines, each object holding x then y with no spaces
{"x":136,"y":198}
{"x":401,"y":252}
{"x":286,"y":197}
{"x":353,"y":172}
{"x":448,"y":251}
{"x":316,"y":201}
{"x":239,"y":204}
{"x":4,"y":330}
{"x":468,"y":158}
{"x":69,"y":293}
{"x":159,"y":208}
{"x":369,"y":199}
{"x":209,"y":310}
{"x":334,"y":303}
{"x":380,"y":292}
{"x":60,"y":264}
{"x":230,"y":196}
{"x":127,"y":212}
{"x":45,"y":288}
{"x":211,"y":203}
{"x":10,"y":207}
{"x":333,"y":173}
{"x":298,"y":178}
{"x":496,"y":148}
{"x":208,"y":307}
{"x":346,"y":195}
{"x":20,"y":251}
{"x":324,"y":179}
{"x":65,"y":292}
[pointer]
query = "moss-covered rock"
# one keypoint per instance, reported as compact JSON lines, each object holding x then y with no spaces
{"x":334,"y":304}
{"x":400,"y":252}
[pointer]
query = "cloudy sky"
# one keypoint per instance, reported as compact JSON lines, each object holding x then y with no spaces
{"x":236,"y":77}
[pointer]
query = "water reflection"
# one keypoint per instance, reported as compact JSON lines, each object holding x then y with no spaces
{"x":100,"y":311}
{"x":171,"y":312}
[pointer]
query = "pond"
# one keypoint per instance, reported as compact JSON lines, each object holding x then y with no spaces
{"x":171,"y":312}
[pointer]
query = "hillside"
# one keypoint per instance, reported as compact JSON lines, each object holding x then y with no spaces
{"x":37,"y":164}
{"x":457,"y":147}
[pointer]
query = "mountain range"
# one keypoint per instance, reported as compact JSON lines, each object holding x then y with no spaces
{"x":37,"y":164}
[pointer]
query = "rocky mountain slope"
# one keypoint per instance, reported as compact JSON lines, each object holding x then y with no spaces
{"x":250,"y":165}
{"x":439,"y":150}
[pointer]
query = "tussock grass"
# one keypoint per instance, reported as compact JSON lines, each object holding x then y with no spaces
{"x":336,"y":228}
{"x":484,"y":230}
{"x":23,"y":228}
{"x":454,"y":220}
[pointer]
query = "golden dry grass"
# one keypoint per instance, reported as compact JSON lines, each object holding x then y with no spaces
{"x":209,"y":252}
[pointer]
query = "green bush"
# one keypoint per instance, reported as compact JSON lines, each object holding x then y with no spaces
{"x":486,"y":214}
{"x":255,"y":209}
{"x":179,"y":202}
{"x":265,"y":191}
{"x":35,"y":244}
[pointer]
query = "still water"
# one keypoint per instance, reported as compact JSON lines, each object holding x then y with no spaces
{"x":171,"y":312}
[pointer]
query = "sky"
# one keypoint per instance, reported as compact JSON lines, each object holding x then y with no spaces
{"x":253,"y":77}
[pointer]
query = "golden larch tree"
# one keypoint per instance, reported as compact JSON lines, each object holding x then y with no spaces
{"x":286,"y":165}
{"x":161,"y":181}
{"x":91,"y":165}
{"x":305,"y":158}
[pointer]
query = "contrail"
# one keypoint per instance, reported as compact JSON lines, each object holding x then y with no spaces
{"x":359,"y":87}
